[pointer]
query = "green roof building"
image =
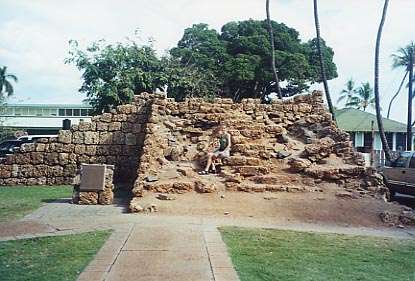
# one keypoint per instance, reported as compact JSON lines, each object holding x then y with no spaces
{"x":358,"y":124}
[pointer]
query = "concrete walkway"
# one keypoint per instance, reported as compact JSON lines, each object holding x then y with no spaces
{"x":158,"y":247}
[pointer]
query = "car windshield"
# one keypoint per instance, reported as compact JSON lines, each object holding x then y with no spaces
{"x":402,"y":159}
{"x":5,"y":146}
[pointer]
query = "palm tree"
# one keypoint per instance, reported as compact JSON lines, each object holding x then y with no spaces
{"x":5,"y":84}
{"x":410,"y":97}
{"x":348,"y":92}
{"x":385,"y":145}
{"x":402,"y":59}
{"x":320,"y":56}
{"x":271,"y":36}
{"x":362,"y":97}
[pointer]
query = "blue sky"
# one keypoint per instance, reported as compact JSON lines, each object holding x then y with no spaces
{"x":34,"y":37}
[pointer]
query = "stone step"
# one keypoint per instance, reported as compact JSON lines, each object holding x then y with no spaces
{"x":270,"y":188}
{"x":241,"y":161}
{"x":282,"y":178}
{"x":248,"y":171}
{"x":169,"y":186}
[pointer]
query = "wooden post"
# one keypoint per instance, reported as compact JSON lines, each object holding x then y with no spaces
{"x":372,"y":149}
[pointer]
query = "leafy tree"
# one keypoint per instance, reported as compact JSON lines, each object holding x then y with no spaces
{"x":114,"y":73}
{"x":187,"y":81}
{"x":6,"y":90}
{"x":321,"y":62}
{"x":348,"y":92}
{"x":201,"y":46}
{"x":385,"y":145}
{"x":239,"y":57}
{"x":362,"y":97}
{"x":6,"y":86}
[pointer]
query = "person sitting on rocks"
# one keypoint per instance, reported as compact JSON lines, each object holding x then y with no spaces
{"x":222,"y":152}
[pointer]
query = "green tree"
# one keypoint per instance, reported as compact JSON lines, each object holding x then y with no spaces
{"x":239,"y":57}
{"x":321,"y":62}
{"x":183,"y":81}
{"x":348,"y":92}
{"x":112,"y":74}
{"x":362,"y":97}
{"x":401,"y":60}
{"x":385,"y":145}
{"x":6,"y":86}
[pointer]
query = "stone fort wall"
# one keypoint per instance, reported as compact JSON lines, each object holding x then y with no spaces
{"x":142,"y":137}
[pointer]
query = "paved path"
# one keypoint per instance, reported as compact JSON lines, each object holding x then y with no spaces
{"x":158,"y":247}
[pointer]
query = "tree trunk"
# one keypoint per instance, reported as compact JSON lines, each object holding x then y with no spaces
{"x":409,"y":123}
{"x":322,"y":68}
{"x":271,"y":36}
{"x":397,"y":92}
{"x":385,"y":145}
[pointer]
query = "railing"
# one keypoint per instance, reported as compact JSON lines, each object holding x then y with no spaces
{"x":379,"y":157}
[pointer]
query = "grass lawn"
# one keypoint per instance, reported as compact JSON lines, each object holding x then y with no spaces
{"x":49,"y":258}
{"x":16,"y":202}
{"x":269,"y":254}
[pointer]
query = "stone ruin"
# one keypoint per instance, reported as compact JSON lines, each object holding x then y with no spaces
{"x":158,"y":145}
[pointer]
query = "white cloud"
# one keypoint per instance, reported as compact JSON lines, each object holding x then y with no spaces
{"x":34,"y":35}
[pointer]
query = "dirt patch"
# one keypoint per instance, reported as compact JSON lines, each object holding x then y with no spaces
{"x":324,"y":208}
{"x":23,"y":228}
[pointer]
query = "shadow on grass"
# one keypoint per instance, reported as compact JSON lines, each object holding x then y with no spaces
{"x":61,"y":200}
{"x":122,"y":197}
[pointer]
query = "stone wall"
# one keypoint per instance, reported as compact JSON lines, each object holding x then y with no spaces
{"x":114,"y":138}
{"x":287,"y":145}
{"x":159,"y":144}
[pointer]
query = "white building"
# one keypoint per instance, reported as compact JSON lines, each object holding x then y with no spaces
{"x":43,"y":118}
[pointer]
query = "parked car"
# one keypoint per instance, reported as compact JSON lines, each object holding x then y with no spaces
{"x":399,"y":175}
{"x":35,"y":137}
{"x":7,"y":147}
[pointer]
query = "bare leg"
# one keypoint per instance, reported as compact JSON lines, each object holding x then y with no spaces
{"x":209,"y":161}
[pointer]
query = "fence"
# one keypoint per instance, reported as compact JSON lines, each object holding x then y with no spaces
{"x":379,"y":157}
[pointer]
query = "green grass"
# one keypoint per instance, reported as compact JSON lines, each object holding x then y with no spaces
{"x":49,"y":258}
{"x":16,"y":202}
{"x":269,"y":254}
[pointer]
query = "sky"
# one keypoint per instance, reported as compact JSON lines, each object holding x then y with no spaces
{"x":34,"y":36}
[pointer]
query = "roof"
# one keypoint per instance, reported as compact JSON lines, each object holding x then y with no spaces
{"x":354,"y":120}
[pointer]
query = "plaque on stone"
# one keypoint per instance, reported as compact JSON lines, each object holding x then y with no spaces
{"x":92,"y":177}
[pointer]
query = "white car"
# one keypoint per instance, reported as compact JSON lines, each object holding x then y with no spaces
{"x":35,"y":137}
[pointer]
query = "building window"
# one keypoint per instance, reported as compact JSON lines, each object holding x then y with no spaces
{"x":412,"y":163}
{"x":68,"y":112}
{"x":367,"y":143}
{"x":84,"y":112}
{"x":76,"y":112}
{"x":38,"y":111}
{"x":401,"y":141}
{"x":389,"y":139}
{"x":61,"y":112}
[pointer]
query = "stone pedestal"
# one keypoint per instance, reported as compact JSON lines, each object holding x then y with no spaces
{"x":93,"y":185}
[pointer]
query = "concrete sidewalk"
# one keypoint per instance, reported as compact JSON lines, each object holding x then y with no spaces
{"x":142,"y":246}
{"x":158,"y":247}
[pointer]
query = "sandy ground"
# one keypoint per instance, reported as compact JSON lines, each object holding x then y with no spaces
{"x":325,"y":208}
